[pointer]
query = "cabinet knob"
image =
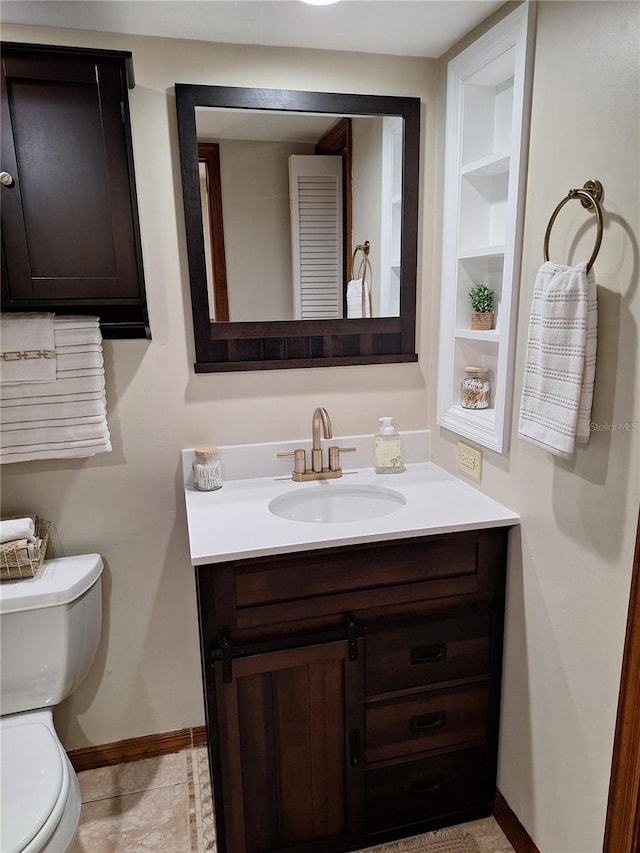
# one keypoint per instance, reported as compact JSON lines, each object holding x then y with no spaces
{"x":6,"y":179}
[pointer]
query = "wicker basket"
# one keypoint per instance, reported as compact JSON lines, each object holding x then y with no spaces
{"x":20,"y":561}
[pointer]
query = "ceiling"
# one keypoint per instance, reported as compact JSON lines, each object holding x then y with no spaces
{"x":425,"y":28}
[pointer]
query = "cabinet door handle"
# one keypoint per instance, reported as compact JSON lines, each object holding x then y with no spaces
{"x":427,"y":722}
{"x":429,"y":654}
{"x":354,"y":747}
{"x":425,"y":786}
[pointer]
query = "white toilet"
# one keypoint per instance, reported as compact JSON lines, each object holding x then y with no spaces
{"x":49,"y":631}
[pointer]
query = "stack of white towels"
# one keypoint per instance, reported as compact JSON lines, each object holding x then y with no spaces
{"x":52,"y":389}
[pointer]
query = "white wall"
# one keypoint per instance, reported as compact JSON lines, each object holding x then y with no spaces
{"x":367,"y":196}
{"x":570,"y":568}
{"x":128,"y":504}
{"x":254,"y":179}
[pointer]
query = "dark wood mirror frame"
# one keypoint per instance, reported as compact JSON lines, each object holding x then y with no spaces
{"x":274,"y":344}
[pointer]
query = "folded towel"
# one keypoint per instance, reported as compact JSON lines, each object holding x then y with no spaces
{"x":76,"y":337}
{"x":71,"y":349}
{"x":79,"y":361}
{"x":30,"y":435}
{"x":37,"y":413}
{"x":13,"y":529}
{"x":28,"y":349}
{"x":25,"y":552}
{"x":59,"y":450}
{"x":75,"y":387}
{"x":358,"y":299}
{"x":65,"y":418}
{"x":557,"y":393}
{"x":76,"y":321}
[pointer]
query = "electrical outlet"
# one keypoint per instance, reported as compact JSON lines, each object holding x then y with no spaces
{"x":469,"y":461}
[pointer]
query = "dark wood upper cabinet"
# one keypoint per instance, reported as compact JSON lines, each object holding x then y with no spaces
{"x":70,"y":233}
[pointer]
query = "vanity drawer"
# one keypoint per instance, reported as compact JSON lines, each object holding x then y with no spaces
{"x":456,"y":645}
{"x":271,"y":590}
{"x":431,"y":788}
{"x":426,"y":721}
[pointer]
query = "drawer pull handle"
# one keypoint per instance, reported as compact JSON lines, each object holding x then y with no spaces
{"x":425,"y":787}
{"x":427,"y":722}
{"x":429,"y":654}
{"x":354,"y":747}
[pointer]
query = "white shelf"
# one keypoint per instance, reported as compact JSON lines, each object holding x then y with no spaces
{"x":493,"y":164}
{"x":490,"y":335}
{"x":482,"y":252}
{"x":487,"y":90}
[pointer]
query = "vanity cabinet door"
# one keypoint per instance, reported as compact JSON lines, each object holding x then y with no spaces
{"x":290,"y":739}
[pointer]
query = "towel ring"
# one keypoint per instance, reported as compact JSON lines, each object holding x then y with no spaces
{"x":365,"y":264}
{"x":590,"y":196}
{"x":364,"y":248}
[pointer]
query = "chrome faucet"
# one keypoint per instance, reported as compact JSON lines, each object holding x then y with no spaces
{"x":318,"y":471}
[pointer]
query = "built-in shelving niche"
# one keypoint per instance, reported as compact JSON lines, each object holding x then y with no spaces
{"x":488,"y":88}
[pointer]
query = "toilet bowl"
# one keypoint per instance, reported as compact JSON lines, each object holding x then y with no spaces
{"x":49,"y":629}
{"x":40,"y":791}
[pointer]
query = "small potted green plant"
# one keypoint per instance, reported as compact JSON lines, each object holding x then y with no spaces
{"x":481,"y":299}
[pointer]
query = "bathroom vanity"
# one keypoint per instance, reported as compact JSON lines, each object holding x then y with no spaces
{"x":352,"y":680}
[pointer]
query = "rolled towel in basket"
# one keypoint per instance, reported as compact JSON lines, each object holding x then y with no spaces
{"x":24,"y":553}
{"x":13,"y":529}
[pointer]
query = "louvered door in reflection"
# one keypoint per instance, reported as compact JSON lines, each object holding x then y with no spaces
{"x":315,"y":185}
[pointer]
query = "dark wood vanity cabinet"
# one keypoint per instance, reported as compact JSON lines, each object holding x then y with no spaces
{"x":70,"y":234}
{"x":352,"y":694}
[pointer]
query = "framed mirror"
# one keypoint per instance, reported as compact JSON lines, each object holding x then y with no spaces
{"x":301,"y":223}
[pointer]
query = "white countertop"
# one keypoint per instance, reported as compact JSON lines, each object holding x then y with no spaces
{"x":234,"y":522}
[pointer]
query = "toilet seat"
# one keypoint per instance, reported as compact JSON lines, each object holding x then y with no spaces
{"x":35,"y":787}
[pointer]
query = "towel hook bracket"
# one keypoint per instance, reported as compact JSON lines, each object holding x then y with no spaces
{"x":594,"y":188}
{"x":590,"y":196}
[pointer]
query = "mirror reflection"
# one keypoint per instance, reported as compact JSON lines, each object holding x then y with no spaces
{"x":301,"y":214}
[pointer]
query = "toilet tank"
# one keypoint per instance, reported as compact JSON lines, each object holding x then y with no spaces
{"x":49,"y":632}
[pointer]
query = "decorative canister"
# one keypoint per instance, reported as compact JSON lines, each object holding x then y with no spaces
{"x":207,"y":469}
{"x":476,"y":388}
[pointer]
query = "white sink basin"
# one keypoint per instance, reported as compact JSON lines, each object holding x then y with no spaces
{"x":330,"y":503}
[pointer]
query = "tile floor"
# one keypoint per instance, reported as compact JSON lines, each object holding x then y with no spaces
{"x":163,"y":805}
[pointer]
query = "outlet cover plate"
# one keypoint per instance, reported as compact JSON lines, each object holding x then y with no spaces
{"x":469,"y":461}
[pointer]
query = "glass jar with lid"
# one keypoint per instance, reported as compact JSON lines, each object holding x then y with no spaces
{"x":475,"y":392}
{"x":207,"y":469}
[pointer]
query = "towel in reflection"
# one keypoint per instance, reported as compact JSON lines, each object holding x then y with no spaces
{"x":358,"y":299}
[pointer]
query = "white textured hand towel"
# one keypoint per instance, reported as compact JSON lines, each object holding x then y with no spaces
{"x":28,"y":349}
{"x":12,"y":529}
{"x":559,"y":373}
{"x":358,"y":296}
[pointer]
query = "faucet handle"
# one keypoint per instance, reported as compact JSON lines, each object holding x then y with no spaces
{"x":334,"y":456}
{"x":299,"y":457}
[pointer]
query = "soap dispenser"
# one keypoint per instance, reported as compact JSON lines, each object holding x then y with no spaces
{"x":387,"y":455}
